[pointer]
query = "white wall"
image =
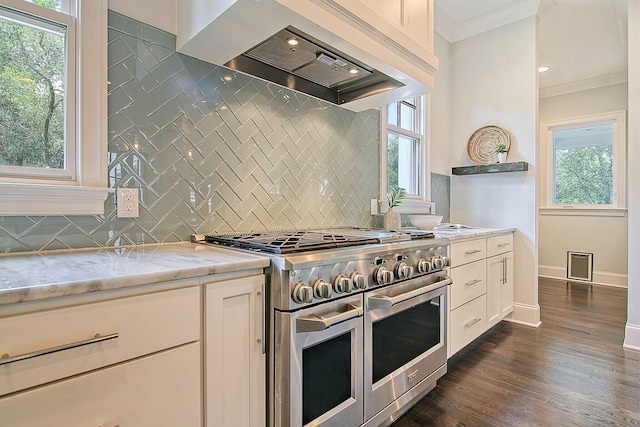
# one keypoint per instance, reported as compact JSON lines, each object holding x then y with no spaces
{"x":494,"y":82}
{"x":158,"y":13}
{"x":605,"y":237}
{"x":440,"y":128}
{"x":632,"y":331}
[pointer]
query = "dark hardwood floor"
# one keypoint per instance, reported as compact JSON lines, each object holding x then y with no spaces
{"x":572,"y":371}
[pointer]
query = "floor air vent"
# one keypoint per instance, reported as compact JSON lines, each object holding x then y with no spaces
{"x":580,"y":266}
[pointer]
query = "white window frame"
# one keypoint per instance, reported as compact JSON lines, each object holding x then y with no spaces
{"x":83,"y":188}
{"x":411,"y":203}
{"x":618,"y":207}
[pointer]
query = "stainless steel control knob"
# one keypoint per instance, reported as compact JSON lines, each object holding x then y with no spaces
{"x":342,"y":284}
{"x":424,"y":266}
{"x":360,"y":281}
{"x":446,"y":260}
{"x":403,"y":271}
{"x":383,"y":276}
{"x":437,"y":263}
{"x":302,"y":293}
{"x":322,"y":289}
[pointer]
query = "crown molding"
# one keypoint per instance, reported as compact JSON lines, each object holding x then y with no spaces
{"x":508,"y":14}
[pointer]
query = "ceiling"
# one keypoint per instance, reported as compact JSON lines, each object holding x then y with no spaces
{"x":583,"y":41}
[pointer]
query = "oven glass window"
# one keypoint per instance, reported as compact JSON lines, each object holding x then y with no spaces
{"x":400,"y":338}
{"x":326,"y":376}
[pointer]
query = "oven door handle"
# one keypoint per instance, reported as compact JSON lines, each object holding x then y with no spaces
{"x":385,"y":301}
{"x":314,"y":323}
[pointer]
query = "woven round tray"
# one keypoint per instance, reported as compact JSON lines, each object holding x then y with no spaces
{"x":482,"y":145}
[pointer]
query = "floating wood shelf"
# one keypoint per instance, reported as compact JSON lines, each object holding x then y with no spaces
{"x":495,"y":168}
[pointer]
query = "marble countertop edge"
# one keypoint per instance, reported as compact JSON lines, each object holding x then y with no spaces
{"x":37,"y":276}
{"x":472,"y":233}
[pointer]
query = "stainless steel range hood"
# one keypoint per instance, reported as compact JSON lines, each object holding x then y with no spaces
{"x":297,"y":61}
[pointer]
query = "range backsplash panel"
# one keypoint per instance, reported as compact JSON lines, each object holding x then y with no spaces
{"x":213,"y":151}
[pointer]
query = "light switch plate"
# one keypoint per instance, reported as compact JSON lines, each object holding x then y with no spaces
{"x":127,"y":202}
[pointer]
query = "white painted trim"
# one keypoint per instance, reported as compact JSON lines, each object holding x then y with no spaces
{"x":86,"y":195}
{"x":578,"y":211}
{"x":52,"y":200}
{"x":524,"y":314}
{"x":618,"y":119}
{"x":582,"y":85}
{"x":632,"y":337}
{"x":601,"y":278}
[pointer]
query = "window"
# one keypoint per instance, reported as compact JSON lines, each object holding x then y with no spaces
{"x":52,"y":158}
{"x":585,"y":160}
{"x":37,"y":82}
{"x":403,"y":151}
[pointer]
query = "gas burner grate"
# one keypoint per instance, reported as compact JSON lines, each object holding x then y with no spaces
{"x":289,"y":242}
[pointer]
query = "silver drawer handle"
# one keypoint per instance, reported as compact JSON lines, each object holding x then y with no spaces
{"x":313,"y":322}
{"x":502,"y":245}
{"x":475,"y":251}
{"x":473,"y":282}
{"x":385,"y":301}
{"x":471,"y":323}
{"x":6,"y":358}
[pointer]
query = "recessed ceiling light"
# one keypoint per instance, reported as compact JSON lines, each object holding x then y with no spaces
{"x":543,"y":69}
{"x":293,"y":41}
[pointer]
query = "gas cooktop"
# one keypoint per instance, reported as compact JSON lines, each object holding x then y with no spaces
{"x":284,"y":242}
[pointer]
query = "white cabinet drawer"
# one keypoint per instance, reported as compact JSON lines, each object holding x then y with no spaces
{"x":158,"y":390}
{"x":468,"y":322}
{"x":469,"y":282}
{"x":499,"y":244}
{"x":466,"y":252}
{"x":144,"y":324}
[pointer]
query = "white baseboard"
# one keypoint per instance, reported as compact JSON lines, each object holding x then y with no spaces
{"x":523,"y":314}
{"x":599,"y":277}
{"x":632,"y":337}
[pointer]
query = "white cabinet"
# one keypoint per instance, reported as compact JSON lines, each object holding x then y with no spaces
{"x":482,"y":291}
{"x":142,"y":369}
{"x":468,"y":322}
{"x":134,"y":326}
{"x":414,"y":16}
{"x":499,"y":279}
{"x":235,"y":360}
{"x":162,"y":390}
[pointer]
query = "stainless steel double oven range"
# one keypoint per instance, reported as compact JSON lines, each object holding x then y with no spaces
{"x":357,"y":322}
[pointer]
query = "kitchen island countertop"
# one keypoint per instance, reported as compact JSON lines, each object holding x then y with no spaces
{"x":32,"y":276}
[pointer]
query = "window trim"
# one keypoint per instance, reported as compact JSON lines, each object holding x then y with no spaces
{"x":411,"y":203}
{"x":86,"y":194}
{"x":618,"y":119}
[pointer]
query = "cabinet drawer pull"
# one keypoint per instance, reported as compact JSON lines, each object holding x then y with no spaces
{"x":5,"y":358}
{"x":471,"y":323}
{"x":502,"y":245}
{"x":473,"y":282}
{"x":471,"y":252}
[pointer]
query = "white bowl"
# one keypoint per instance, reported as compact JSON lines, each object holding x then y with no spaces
{"x":425,"y":222}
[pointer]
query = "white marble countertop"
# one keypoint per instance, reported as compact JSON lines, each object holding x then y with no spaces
{"x":35,"y":276}
{"x":472,"y":233}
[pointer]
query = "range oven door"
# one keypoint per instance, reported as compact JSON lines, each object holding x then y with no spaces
{"x":318,"y":365}
{"x":405,"y":338}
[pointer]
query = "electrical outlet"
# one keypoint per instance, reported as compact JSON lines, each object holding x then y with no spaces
{"x":374,"y":206}
{"x":127,"y":202}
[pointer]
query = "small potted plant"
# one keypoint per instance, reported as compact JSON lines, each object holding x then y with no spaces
{"x":392,"y":219}
{"x":501,"y":149}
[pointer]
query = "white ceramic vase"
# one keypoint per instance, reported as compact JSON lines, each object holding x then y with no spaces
{"x":392,"y":220}
{"x":502,"y":157}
